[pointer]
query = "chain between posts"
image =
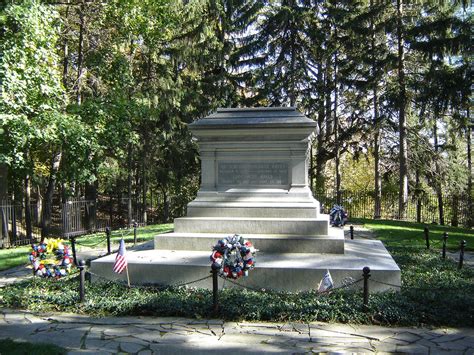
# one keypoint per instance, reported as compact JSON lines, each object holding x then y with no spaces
{"x":427,"y":237}
{"x":445,"y":238}
{"x":265,"y":291}
{"x":107,"y":235}
{"x":429,"y":243}
{"x":461,"y":254}
{"x":82,"y":281}
{"x":163,"y":287}
{"x":135,"y":225}
{"x":366,"y":275}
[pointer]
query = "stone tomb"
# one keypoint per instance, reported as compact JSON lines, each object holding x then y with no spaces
{"x":254,"y":182}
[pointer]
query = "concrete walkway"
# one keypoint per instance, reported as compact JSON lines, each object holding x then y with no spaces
{"x":150,"y":335}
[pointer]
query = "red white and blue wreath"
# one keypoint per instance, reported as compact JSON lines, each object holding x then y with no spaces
{"x":233,"y":256}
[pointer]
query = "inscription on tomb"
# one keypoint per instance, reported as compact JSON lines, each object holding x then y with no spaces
{"x":249,"y":174}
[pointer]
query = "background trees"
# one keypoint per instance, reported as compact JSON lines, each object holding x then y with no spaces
{"x":96,"y":95}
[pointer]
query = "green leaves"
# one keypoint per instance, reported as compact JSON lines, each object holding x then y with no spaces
{"x":28,"y":68}
{"x":33,"y":99}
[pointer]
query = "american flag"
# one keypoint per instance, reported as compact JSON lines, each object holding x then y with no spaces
{"x":120,"y":260}
{"x":326,"y":283}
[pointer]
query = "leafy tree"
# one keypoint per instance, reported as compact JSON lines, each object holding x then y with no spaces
{"x":33,"y":98}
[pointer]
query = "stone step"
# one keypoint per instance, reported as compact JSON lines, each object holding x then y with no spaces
{"x":282,"y":272}
{"x":247,"y":225}
{"x":255,"y":210}
{"x":331,"y":243}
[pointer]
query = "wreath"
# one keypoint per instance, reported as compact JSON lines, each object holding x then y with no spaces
{"x":233,"y":256}
{"x":52,"y":258}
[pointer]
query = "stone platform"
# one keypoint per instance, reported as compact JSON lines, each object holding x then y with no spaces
{"x":275,"y":271}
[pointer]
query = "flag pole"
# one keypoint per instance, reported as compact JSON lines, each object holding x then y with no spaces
{"x":128,"y":277}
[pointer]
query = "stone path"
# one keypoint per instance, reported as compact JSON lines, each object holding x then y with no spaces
{"x":150,"y":335}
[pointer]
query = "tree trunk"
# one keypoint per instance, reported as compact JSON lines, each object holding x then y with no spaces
{"x":129,"y":186}
{"x":111,"y":210}
{"x":91,"y":205}
{"x":3,"y":182}
{"x":377,"y":124}
{"x":311,"y":169}
{"x":66,"y":51}
{"x":439,"y":191}
{"x":328,"y":108}
{"x":39,"y":206}
{"x":378,"y":177}
{"x":336,"y":133}
{"x":28,"y":222}
{"x":418,"y":196}
{"x":80,"y":54}
{"x":402,"y":121}
{"x":455,"y":209}
{"x":470,"y":191}
{"x":3,"y":194}
{"x":320,"y":162}
{"x":144,"y":190}
{"x":48,"y":197}
{"x":120,"y":206}
{"x":166,"y":206}
{"x":292,"y":72}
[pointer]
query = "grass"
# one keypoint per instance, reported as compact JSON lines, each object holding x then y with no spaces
{"x":8,"y":346}
{"x":408,"y":234}
{"x":13,"y":257}
{"x":143,"y":234}
{"x":19,"y":256}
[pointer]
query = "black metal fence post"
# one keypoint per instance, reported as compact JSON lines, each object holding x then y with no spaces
{"x":33,"y":266}
{"x":135,"y":225}
{"x":82,"y":281}
{"x":366,"y":275}
{"x":73,"y":247}
{"x":445,"y":238}
{"x":107,"y":233}
{"x":351,"y":231}
{"x":427,"y":237}
{"x":215,"y":300}
{"x":461,"y":254}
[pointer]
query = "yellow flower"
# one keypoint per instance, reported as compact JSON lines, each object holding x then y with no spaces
{"x":53,"y":244}
{"x":48,"y":261}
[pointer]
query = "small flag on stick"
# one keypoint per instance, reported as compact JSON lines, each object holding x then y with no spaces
{"x":121,"y":261}
{"x":326,"y":283}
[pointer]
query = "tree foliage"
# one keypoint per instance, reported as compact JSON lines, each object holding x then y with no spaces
{"x":105,"y":89}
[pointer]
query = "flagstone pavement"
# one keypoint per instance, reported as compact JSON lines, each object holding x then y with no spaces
{"x":152,"y":335}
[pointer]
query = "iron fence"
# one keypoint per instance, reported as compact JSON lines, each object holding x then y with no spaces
{"x":14,"y":227}
{"x":423,"y":208}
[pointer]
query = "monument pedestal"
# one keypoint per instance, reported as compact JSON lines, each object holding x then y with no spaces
{"x":254,"y":183}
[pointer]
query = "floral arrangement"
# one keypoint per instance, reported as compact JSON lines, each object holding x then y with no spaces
{"x":233,"y":256}
{"x":52,"y":258}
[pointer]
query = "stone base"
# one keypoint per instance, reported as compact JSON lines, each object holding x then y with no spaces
{"x":291,"y":226}
{"x":333,"y":243}
{"x":281,"y":272}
